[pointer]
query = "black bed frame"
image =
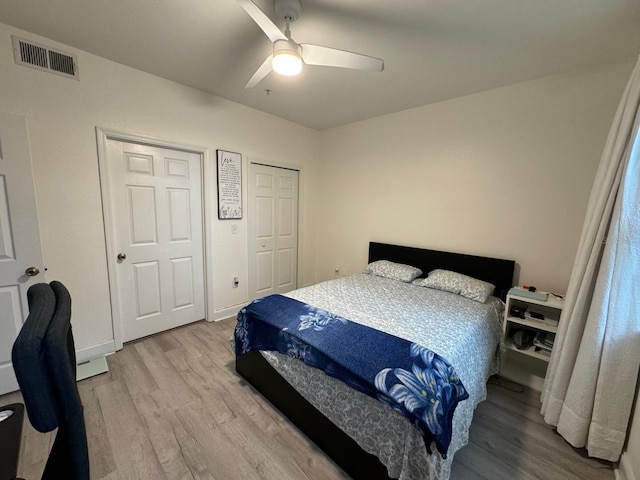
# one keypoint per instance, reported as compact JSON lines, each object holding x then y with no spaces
{"x":341,"y":448}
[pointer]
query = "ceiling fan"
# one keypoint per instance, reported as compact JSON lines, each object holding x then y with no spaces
{"x":288,"y":56}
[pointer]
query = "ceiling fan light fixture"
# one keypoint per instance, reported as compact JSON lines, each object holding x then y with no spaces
{"x":287,"y":63}
{"x":289,"y":57}
{"x":286,"y":58}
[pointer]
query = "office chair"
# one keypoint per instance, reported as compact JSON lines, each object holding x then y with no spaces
{"x":42,"y":304}
{"x":44,"y":361}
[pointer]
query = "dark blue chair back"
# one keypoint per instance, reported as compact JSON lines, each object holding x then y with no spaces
{"x":44,"y":360}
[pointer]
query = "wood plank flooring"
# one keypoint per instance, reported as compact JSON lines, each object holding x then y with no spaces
{"x":172,"y":407}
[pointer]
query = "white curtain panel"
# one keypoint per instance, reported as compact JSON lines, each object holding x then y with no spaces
{"x":591,"y":378}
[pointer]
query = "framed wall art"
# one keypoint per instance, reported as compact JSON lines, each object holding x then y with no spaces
{"x":229,"y":185}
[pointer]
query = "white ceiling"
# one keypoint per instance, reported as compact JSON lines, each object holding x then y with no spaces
{"x":433,"y":49}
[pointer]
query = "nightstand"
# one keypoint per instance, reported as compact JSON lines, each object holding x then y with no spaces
{"x":540,"y":323}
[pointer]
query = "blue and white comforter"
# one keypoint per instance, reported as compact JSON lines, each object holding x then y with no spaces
{"x":417,"y":382}
{"x":463,"y":331}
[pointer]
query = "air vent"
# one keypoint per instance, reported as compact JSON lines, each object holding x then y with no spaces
{"x":40,"y":57}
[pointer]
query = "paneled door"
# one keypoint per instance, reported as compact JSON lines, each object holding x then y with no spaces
{"x":273,"y":230}
{"x":20,"y":250}
{"x":154,"y":222}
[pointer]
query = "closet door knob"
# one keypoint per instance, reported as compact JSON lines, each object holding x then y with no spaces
{"x":122,"y":256}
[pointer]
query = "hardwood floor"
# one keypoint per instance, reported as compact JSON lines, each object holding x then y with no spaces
{"x":172,"y":407}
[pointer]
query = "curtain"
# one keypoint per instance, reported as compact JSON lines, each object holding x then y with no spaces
{"x":591,"y":378}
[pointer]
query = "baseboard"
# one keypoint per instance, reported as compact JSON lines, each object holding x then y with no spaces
{"x":93,"y":355}
{"x":98,"y":350}
{"x":226,"y":312}
{"x":624,"y":470}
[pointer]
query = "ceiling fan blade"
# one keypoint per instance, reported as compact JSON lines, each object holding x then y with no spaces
{"x":263,"y":71}
{"x":331,"y":57}
{"x":262,"y":20}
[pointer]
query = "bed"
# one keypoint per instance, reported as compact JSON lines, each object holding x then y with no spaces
{"x":367,"y":438}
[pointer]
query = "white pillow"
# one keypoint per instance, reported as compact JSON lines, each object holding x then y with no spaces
{"x":395,"y":271}
{"x":457,"y":283}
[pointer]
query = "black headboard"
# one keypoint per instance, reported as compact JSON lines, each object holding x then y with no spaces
{"x":497,"y":271}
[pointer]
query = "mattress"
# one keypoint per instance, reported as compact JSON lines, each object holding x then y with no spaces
{"x":465,"y":332}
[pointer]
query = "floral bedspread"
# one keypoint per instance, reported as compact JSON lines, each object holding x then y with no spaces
{"x":414,"y":380}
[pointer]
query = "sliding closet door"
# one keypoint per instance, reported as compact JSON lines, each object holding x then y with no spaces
{"x":273,"y":230}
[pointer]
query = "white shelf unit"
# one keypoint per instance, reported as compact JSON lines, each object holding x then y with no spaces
{"x":515,"y":365}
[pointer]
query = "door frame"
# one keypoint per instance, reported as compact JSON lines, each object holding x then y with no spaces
{"x":102,"y":136}
{"x":285,"y":166}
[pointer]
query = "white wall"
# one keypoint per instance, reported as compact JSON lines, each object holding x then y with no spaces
{"x":503,"y":173}
{"x":62,"y":115}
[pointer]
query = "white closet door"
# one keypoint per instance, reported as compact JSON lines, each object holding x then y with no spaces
{"x":273,"y":230}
